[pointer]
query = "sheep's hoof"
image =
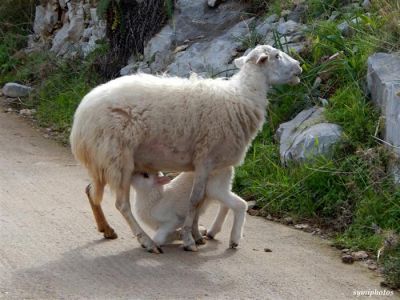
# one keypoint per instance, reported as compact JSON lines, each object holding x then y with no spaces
{"x":109,"y":233}
{"x":203,"y":230}
{"x":192,"y":248}
{"x":200,"y":241}
{"x":155,"y":250}
{"x":233,"y":245}
{"x":209,"y":236}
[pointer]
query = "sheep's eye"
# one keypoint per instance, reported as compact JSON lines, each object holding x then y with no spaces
{"x":145,"y":175}
{"x":277,"y":56}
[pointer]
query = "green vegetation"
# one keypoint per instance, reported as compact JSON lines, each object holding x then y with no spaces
{"x":352,"y":193}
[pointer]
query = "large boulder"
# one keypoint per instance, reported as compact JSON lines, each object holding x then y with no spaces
{"x":384,"y":84}
{"x":210,"y":58}
{"x":306,"y":136}
{"x":14,"y":90}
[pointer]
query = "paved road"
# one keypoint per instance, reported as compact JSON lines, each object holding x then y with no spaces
{"x":50,"y":249}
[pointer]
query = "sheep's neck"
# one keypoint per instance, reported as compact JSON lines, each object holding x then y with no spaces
{"x":253,"y":85}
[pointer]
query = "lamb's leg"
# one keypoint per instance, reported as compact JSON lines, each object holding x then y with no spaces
{"x":196,"y":196}
{"x":239,"y":207}
{"x":218,"y":222}
{"x":165,"y":233}
{"x":102,"y":224}
{"x":124,"y":206}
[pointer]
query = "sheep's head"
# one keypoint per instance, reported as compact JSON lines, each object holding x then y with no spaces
{"x":147,"y":181}
{"x":277,"y":66}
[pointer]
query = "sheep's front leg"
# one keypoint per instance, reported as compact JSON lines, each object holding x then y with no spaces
{"x":124,"y":206}
{"x":196,"y":196}
{"x":198,"y":237}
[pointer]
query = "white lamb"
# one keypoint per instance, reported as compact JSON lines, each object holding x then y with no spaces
{"x":163,"y":204}
{"x":157,"y":123}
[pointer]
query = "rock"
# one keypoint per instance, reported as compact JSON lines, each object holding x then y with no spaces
{"x":288,"y":221}
{"x":267,"y":250}
{"x":366,"y":4}
{"x":210,"y":58}
{"x":65,"y":40}
{"x":306,"y":136}
{"x":263,"y":28}
{"x":251,"y":204}
{"x":372,"y":267}
{"x":335,"y":14}
{"x":181,"y":48}
{"x":347,"y":259}
{"x":213,"y":3}
{"x":127,"y":70}
{"x":158,"y":50}
{"x":253,"y":212}
{"x":289,"y":27}
{"x":298,"y":13}
{"x":359,"y":255}
{"x":15,"y":90}
{"x":384,"y":86}
{"x":345,"y":250}
{"x":302,"y":226}
{"x":346,"y":27}
{"x":269,"y":217}
{"x":27,"y":112}
{"x":39,"y":24}
{"x":271,"y":19}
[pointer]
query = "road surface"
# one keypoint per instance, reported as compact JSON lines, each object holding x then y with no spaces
{"x":50,"y":248}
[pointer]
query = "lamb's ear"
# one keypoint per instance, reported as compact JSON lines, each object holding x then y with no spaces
{"x":161,"y":180}
{"x":239,"y":62}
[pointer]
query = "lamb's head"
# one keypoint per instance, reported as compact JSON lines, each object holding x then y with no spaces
{"x":147,"y":181}
{"x":277,"y":66}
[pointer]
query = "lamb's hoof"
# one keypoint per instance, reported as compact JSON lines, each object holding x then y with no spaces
{"x":192,"y":248}
{"x":155,"y":250}
{"x":110,"y":234}
{"x":200,"y":241}
{"x":209,"y":236}
{"x":233,"y":245}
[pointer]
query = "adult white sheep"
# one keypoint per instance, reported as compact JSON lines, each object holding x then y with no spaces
{"x":152,"y":123}
{"x":163,"y":204}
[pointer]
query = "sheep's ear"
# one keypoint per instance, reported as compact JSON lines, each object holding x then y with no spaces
{"x":239,"y":62}
{"x":262,"y":59}
{"x":257,"y":58}
{"x":161,"y":180}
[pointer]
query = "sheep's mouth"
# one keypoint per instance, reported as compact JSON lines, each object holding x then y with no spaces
{"x":295,"y":80}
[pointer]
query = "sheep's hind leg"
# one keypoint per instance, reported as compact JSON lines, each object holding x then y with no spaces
{"x":102,"y":224}
{"x":196,"y":196}
{"x":124,"y":206}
